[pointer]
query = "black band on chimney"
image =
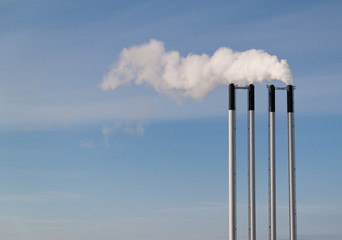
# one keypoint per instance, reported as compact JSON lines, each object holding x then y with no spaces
{"x":231,"y":96}
{"x":289,"y":98}
{"x":251,"y":97}
{"x":271,"y":93}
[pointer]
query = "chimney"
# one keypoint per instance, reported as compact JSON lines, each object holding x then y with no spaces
{"x":251,"y":162}
{"x":292,"y":176}
{"x":272,"y":166}
{"x":232,"y":171}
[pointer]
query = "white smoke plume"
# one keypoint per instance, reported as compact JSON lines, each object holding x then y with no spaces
{"x":193,"y":75}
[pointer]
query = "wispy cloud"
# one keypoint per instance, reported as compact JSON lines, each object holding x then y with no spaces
{"x":40,"y":196}
{"x":89,"y":145}
{"x":136,"y":128}
{"x":107,"y":130}
{"x":319,"y":209}
{"x":26,"y":219}
{"x":202,"y":206}
{"x":135,"y":125}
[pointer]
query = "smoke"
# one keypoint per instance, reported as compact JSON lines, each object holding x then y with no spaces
{"x":194,"y":75}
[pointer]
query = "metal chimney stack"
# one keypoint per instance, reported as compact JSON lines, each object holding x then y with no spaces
{"x":272,"y":167}
{"x":292,"y":176}
{"x":232,"y":172}
{"x":251,"y":163}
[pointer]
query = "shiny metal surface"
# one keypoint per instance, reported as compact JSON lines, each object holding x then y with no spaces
{"x":272,"y":178}
{"x":232,"y":175}
{"x":292,"y":177}
{"x":251,"y":174}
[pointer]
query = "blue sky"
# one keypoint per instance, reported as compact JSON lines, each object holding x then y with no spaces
{"x":77,"y":162}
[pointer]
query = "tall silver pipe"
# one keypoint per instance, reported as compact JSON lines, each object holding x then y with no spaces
{"x":292,"y":176}
{"x":251,"y":162}
{"x":232,"y":171}
{"x":272,"y":167}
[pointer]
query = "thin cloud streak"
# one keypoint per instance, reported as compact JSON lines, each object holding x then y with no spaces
{"x":89,"y":145}
{"x":202,"y":206}
{"x":135,"y":125}
{"x":40,"y":196}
